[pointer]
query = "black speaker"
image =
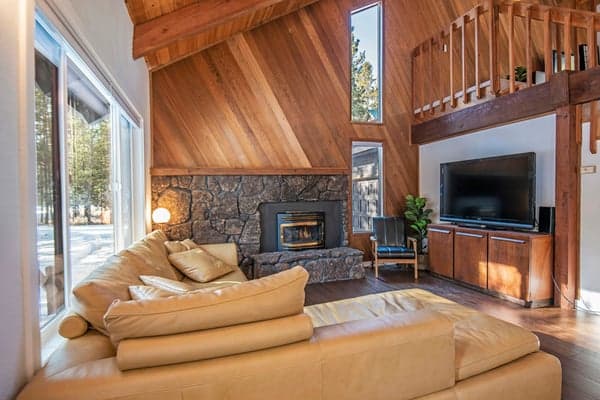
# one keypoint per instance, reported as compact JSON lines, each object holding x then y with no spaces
{"x":546,"y":218}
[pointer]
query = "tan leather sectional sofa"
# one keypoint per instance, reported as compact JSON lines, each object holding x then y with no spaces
{"x":255,"y":340}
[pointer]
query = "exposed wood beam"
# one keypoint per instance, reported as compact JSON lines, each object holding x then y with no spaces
{"x":248,"y":171}
{"x":199,"y":18}
{"x":584,"y":86}
{"x":567,"y":201}
{"x":538,"y":100}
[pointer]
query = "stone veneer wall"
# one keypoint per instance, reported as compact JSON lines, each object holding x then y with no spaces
{"x":217,"y":209}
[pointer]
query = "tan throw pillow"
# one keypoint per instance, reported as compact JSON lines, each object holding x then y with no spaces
{"x":72,"y":326}
{"x":199,"y":265}
{"x":177,"y":246}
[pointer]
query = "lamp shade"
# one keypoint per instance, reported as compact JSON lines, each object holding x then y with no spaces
{"x":161,"y":216}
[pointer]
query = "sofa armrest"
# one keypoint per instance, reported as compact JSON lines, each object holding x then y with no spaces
{"x":416,"y":348}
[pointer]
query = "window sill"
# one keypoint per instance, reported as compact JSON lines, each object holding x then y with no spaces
{"x":50,"y":339}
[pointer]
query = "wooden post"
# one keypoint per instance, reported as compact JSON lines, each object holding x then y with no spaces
{"x":567,"y":42}
{"x":511,"y":50}
{"x":567,"y":192}
{"x":420,"y":72}
{"x":463,"y":57}
{"x":493,"y":38}
{"x":528,"y":57}
{"x":414,"y":85}
{"x":547,"y":45}
{"x":477,"y":77}
{"x":441,"y":86}
{"x":451,"y":50}
{"x":592,"y":62}
{"x":431,"y":83}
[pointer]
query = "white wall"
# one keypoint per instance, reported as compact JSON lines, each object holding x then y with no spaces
{"x":537,"y":135}
{"x":106,"y":28}
{"x":590,"y":228}
{"x":16,"y":77}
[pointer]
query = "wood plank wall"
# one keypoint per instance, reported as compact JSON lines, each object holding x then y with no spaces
{"x":277,"y":98}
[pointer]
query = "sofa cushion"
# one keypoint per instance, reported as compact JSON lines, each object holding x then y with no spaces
{"x":274,"y":296}
{"x":177,"y":246}
{"x":212,"y":343}
{"x":182,"y":287}
{"x":72,"y":326}
{"x":153,"y":252}
{"x":199,"y":265}
{"x":142,"y":292}
{"x":482,"y":342}
{"x":227,"y":252}
{"x":111,"y":281}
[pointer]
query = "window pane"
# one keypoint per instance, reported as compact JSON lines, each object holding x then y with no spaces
{"x":88,"y":123}
{"x":125,"y":228}
{"x":366,"y":64}
{"x":49,"y":226}
{"x":366,"y":184}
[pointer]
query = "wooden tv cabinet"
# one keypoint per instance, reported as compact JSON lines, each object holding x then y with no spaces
{"x":513,"y":265}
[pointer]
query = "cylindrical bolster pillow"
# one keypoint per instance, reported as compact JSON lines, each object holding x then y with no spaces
{"x":274,"y":296}
{"x":72,"y":326}
{"x":212,"y":343}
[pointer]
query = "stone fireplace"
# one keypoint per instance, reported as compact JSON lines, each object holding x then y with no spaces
{"x":216,"y":209}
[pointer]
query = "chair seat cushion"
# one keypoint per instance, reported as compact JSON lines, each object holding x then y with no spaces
{"x":395,"y":252}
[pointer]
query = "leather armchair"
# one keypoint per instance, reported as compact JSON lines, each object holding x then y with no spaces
{"x":389,"y":243}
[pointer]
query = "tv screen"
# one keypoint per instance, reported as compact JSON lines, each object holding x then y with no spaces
{"x":496,"y":191}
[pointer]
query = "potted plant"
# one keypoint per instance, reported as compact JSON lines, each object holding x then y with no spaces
{"x":418,"y":217}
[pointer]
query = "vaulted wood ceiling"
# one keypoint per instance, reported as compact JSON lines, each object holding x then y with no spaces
{"x":166,"y":31}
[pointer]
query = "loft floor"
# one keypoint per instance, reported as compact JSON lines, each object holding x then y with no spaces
{"x":572,"y":336}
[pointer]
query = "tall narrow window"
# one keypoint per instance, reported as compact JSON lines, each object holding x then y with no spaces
{"x":366,"y":64}
{"x":367,"y":184}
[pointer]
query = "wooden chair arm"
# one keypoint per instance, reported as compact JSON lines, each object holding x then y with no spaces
{"x":413,"y":242}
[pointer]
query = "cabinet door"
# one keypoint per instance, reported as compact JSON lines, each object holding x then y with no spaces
{"x":441,"y":251}
{"x":470,"y":257}
{"x":508,"y":266}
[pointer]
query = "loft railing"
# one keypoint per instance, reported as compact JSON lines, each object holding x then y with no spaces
{"x":494,"y":49}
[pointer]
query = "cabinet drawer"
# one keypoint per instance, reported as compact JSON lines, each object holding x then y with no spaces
{"x":441,"y":250}
{"x":508,"y":265}
{"x":470,"y":257}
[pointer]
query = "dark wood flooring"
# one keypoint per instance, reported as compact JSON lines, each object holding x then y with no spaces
{"x":572,"y":336}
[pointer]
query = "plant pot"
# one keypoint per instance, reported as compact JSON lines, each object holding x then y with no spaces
{"x":423,"y":260}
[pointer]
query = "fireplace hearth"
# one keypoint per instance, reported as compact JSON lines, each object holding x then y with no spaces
{"x":299,"y":230}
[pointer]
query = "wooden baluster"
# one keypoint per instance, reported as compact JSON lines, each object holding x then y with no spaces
{"x":421,"y":69}
{"x":511,"y":52}
{"x":414,"y":85}
{"x":451,"y":50}
{"x":547,"y":45}
{"x":594,"y":126}
{"x":568,"y":44}
{"x":431,"y":83}
{"x":493,"y":38}
{"x":529,"y":61}
{"x":463,"y":56}
{"x":477,"y":77}
{"x":442,"y":51}
{"x":592,"y":60}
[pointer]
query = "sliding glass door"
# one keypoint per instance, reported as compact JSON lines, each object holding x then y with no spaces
{"x":89,"y":166}
{"x":88,"y":186}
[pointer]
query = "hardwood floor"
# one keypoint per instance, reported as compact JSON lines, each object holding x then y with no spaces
{"x":572,"y":336}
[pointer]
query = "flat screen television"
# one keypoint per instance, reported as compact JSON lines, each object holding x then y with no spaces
{"x":494,"y":192}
